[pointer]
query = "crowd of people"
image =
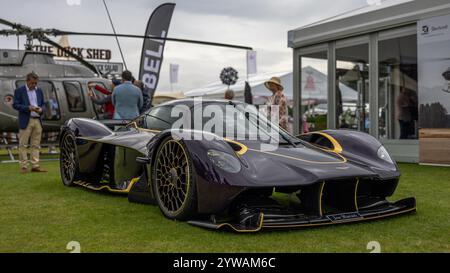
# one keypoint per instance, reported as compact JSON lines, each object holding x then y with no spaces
{"x":127,"y":99}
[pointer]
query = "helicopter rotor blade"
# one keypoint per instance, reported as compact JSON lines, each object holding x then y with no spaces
{"x":75,"y":56}
{"x":436,"y":60}
{"x":7,"y":32}
{"x":39,"y":34}
{"x":59,"y":32}
{"x":56,"y":32}
{"x":8,"y":23}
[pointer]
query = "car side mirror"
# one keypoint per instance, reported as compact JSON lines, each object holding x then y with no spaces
{"x":132,"y":125}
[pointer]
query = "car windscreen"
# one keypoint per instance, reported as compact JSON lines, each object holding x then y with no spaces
{"x":237,"y":121}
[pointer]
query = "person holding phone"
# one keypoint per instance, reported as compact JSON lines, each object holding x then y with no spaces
{"x":29,"y":101}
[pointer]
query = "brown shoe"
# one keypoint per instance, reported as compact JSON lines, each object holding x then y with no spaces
{"x":38,"y":170}
{"x":23,"y":170}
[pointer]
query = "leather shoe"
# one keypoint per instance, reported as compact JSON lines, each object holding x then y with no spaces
{"x":38,"y":170}
{"x":23,"y":170}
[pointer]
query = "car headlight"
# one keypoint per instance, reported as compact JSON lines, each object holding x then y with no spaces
{"x":383,"y":154}
{"x":225,"y":161}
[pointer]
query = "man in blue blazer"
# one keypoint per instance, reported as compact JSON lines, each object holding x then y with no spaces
{"x":29,"y":100}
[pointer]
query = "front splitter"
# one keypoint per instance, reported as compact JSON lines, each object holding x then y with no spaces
{"x":271,"y":221}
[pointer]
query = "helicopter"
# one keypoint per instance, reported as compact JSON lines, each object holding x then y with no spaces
{"x":65,"y":87}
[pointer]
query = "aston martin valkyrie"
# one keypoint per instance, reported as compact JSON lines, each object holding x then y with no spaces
{"x":244,"y":175}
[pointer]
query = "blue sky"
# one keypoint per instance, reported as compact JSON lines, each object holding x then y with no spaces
{"x":261,"y":24}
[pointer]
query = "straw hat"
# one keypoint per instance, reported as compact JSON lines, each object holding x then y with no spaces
{"x":274,"y":80}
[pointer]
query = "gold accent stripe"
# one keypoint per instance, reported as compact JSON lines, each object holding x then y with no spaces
{"x":149,"y":130}
{"x":243,"y":149}
{"x":260,"y":225}
{"x":89,"y":186}
{"x":143,"y":129}
{"x":322,"y":185}
{"x":356,"y":194}
{"x":344,"y":160}
{"x":337,"y":147}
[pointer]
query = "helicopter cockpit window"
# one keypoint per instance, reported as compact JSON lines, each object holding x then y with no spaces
{"x":51,"y":105}
{"x":37,"y":59}
{"x":28,"y":59}
{"x":43,"y":59}
{"x":75,"y":98}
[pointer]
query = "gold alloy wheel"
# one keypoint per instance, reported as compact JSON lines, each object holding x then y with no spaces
{"x":68,"y":158}
{"x":172,"y":176}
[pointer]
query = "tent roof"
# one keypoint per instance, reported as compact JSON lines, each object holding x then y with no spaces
{"x":318,"y":91}
{"x":257,"y":80}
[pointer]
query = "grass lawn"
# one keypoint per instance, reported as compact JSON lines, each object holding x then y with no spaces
{"x":45,"y":154}
{"x":39,"y":214}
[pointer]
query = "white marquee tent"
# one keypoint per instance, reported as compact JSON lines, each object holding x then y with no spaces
{"x":314,"y":87}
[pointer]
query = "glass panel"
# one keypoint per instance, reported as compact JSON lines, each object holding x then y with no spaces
{"x":31,"y":58}
{"x":75,"y":98}
{"x":43,"y":59}
{"x":314,"y":92}
{"x":397,"y":96}
{"x":28,"y":59}
{"x":352,"y":90}
{"x":51,"y":105}
{"x":159,"y":118}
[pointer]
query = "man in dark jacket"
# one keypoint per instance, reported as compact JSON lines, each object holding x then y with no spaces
{"x":146,"y":96}
{"x":29,"y":101}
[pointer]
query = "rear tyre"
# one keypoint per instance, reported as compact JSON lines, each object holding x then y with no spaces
{"x":173,"y":181}
{"x":68,"y":159}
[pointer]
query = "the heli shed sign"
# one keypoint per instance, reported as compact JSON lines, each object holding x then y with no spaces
{"x":86,"y":53}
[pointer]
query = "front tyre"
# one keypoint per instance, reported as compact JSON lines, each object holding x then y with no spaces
{"x":68,"y":159}
{"x":173,"y":180}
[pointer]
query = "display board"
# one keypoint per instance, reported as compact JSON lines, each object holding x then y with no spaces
{"x":433,"y":36}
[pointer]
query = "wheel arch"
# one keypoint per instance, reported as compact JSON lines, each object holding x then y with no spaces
{"x":211,"y":184}
{"x":357,"y":146}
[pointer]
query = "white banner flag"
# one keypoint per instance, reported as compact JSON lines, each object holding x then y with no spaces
{"x":174,"y":73}
{"x":251,"y":62}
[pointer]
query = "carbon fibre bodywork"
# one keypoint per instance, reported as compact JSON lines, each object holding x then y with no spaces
{"x":327,"y":177}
